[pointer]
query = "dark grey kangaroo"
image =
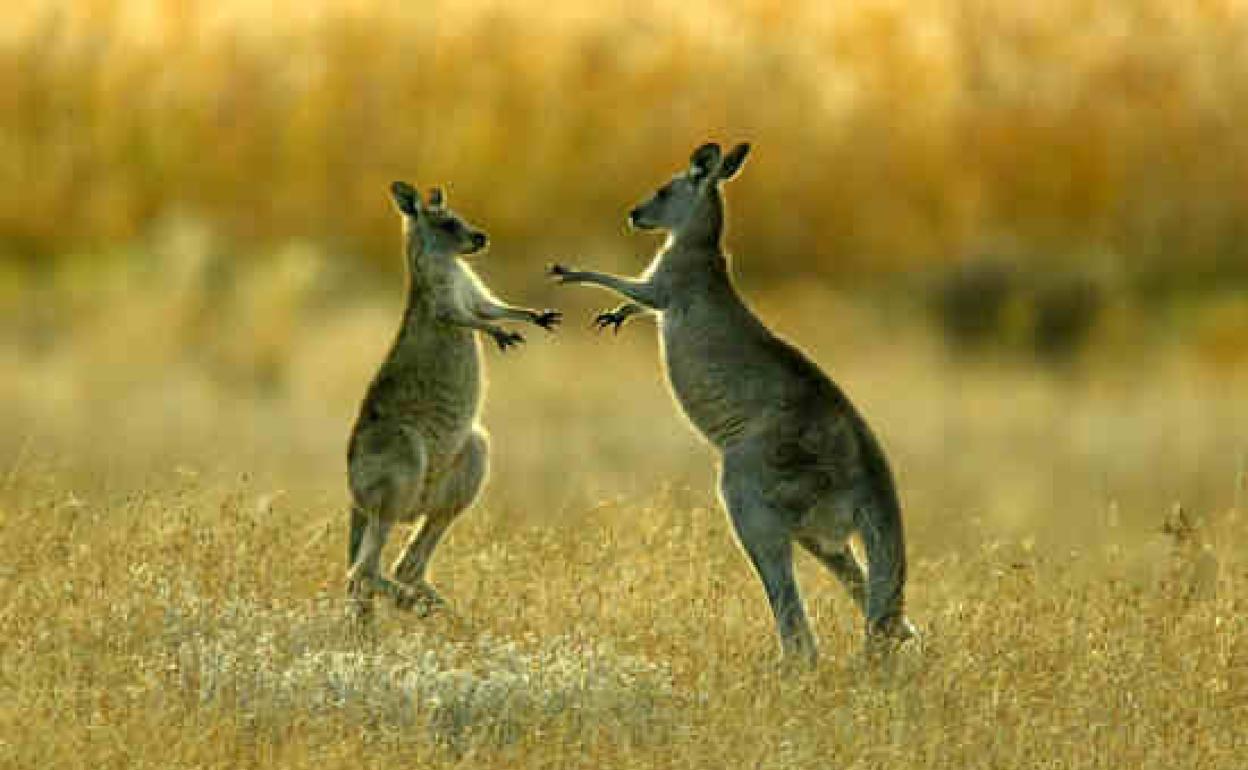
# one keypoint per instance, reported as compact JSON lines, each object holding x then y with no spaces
{"x":797,"y":460}
{"x":416,"y":449}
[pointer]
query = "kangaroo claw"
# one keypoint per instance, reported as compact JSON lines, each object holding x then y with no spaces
{"x":609,"y":319}
{"x":548,"y":319}
{"x":507,"y":339}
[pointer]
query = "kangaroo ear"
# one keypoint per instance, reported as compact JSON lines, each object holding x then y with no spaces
{"x":437,"y":198}
{"x":704,"y":160}
{"x":406,"y":199}
{"x":733,"y":161}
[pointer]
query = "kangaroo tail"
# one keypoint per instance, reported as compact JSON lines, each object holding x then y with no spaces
{"x":884,"y":543}
{"x":879,"y":524}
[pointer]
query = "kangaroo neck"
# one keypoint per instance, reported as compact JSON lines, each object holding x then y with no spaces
{"x":422,"y":283}
{"x":694,"y":253}
{"x":703,"y":231}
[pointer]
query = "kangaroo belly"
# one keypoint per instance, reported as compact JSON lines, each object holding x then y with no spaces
{"x":433,"y":388}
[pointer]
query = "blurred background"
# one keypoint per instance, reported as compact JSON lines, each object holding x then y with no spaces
{"x":1017,"y":234}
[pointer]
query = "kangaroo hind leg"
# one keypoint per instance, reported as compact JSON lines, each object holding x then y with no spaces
{"x":843,"y":565}
{"x":764,"y":535}
{"x":364,"y":576}
{"x":355,"y":538}
{"x":386,"y":475}
{"x":446,"y":500}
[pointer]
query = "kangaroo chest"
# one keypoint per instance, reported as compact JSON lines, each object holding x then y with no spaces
{"x":710,"y":376}
{"x":431,"y":382}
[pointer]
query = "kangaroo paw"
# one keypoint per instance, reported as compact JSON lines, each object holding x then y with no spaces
{"x":612,"y":319}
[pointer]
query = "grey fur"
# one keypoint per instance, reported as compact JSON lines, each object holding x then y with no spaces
{"x":797,"y":461}
{"x":416,"y":449}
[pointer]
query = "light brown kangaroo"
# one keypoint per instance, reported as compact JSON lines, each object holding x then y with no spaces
{"x":797,"y":462}
{"x":416,"y":449}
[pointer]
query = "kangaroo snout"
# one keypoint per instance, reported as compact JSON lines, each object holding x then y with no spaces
{"x":479,"y":241}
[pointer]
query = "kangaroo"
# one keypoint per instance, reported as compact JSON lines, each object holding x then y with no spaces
{"x":416,"y":449}
{"x":796,"y":460}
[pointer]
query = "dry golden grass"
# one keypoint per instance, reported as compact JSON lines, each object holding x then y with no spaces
{"x":891,"y":133}
{"x":171,"y":513}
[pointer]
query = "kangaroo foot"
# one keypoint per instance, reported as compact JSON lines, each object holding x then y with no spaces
{"x":419,"y":598}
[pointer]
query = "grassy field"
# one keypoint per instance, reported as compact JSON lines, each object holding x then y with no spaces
{"x":173,"y":518}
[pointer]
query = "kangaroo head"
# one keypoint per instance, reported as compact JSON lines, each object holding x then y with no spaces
{"x":692,"y":195}
{"x":438,"y":230}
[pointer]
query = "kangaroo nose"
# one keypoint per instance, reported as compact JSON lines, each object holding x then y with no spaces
{"x":632,"y":216}
{"x":479,"y":240}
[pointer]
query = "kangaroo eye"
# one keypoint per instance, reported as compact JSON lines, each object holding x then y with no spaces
{"x":665,"y":193}
{"x":448,"y":227}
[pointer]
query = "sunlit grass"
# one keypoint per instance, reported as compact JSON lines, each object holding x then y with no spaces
{"x":889,"y":134}
{"x":192,"y":624}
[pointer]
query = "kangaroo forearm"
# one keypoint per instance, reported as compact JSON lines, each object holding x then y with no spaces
{"x":469,"y":322}
{"x":491,"y":311}
{"x":643,"y":293}
{"x":628,"y":310}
